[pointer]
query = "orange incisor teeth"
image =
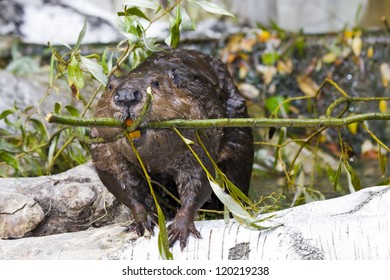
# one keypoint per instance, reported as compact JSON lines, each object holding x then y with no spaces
{"x":129,"y":122}
{"x":133,"y":134}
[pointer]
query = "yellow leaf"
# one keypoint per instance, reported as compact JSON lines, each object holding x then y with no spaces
{"x":307,"y":85}
{"x":348,"y":33}
{"x":234,"y":43}
{"x":370,"y":52}
{"x":330,"y":57}
{"x":385,"y":72}
{"x":383,"y":106}
{"x":357,"y":44}
{"x":353,"y":128}
{"x":264,"y":36}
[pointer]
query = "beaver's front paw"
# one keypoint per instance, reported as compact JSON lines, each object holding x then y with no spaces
{"x":143,"y":219}
{"x":180,"y":229}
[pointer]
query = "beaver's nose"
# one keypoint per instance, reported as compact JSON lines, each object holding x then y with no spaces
{"x":127,"y":97}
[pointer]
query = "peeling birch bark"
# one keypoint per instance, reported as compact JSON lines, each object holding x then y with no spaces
{"x":352,"y":227}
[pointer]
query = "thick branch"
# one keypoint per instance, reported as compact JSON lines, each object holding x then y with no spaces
{"x":238,"y":122}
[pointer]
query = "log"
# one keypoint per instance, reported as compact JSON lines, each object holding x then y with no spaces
{"x":352,"y":227}
{"x":71,"y":201}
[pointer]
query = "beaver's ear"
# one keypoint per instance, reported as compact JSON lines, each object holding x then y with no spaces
{"x":175,"y":76}
{"x":112,"y":82}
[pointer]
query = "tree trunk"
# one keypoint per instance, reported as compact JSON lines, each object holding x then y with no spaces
{"x":355,"y":226}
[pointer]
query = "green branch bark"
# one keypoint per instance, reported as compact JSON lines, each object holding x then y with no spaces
{"x":208,"y":123}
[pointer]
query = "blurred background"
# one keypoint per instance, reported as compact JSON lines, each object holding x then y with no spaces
{"x":38,"y":21}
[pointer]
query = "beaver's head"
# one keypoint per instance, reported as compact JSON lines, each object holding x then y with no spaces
{"x":182,"y":88}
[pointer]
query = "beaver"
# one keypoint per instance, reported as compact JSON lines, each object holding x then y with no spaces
{"x":185,"y":84}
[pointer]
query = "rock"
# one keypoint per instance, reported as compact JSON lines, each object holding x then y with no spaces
{"x":22,"y":93}
{"x":61,"y":21}
{"x":19,"y":214}
{"x":72,"y":201}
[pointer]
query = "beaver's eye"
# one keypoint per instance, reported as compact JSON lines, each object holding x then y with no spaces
{"x":110,"y":86}
{"x":155,"y":84}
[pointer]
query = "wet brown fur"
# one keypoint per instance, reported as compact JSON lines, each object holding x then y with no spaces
{"x":185,"y":85}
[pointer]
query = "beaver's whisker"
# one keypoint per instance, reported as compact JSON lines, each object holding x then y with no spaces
{"x":171,"y":110}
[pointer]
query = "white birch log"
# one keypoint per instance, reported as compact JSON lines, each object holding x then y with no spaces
{"x":353,"y":227}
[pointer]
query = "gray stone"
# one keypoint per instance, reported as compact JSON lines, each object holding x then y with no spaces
{"x":19,"y":214}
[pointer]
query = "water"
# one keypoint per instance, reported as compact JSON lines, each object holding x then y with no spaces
{"x":264,"y":185}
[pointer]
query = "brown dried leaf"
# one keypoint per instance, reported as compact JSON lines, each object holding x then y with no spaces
{"x":267,"y":71}
{"x":248,"y":90}
{"x":243,"y":70}
{"x":307,"y":85}
{"x":385,"y":72}
{"x":247,"y":44}
{"x":285,"y":66}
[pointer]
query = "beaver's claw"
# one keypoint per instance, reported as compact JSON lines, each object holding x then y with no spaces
{"x":140,"y":224}
{"x":180,"y":229}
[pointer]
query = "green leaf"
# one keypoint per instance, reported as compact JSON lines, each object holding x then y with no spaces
{"x":148,"y":4}
{"x":58,"y":43}
{"x":300,"y":45}
{"x":353,"y":178}
{"x":150,"y":43}
{"x":297,"y":194}
{"x":52,"y":148}
{"x":5,"y":113}
{"x":136,"y":12}
{"x":308,"y":197}
{"x":312,"y":195}
{"x":270,"y":58}
{"x":280,"y":31}
{"x":234,"y":190}
{"x":174,"y":36}
{"x":75,"y":76}
{"x":188,"y":141}
{"x":81,"y":35}
{"x":212,"y":7}
{"x":57,"y":55}
{"x":187,"y":23}
{"x":51,"y":75}
{"x":336,"y":178}
{"x":129,"y":28}
{"x":23,"y":65}
{"x":272,"y":103}
{"x":282,"y":136}
{"x":229,"y":202}
{"x":9,"y":159}
{"x":72,"y":110}
{"x":57,"y":107}
{"x":107,"y":62}
{"x":163,"y":243}
{"x":382,"y":161}
{"x":39,"y":126}
{"x":95,"y":69}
